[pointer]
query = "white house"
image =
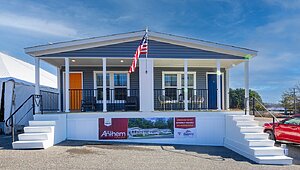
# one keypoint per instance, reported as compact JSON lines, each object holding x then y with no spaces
{"x":180,"y":77}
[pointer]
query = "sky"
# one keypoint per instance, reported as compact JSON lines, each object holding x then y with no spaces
{"x":271,"y":27}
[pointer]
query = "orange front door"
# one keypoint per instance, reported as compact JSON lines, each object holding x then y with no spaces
{"x":75,"y":91}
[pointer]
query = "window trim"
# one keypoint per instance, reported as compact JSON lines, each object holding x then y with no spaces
{"x":179,"y":86}
{"x":112,"y":84}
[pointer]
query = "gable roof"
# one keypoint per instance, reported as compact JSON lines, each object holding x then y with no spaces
{"x":12,"y":68}
{"x":133,"y":36}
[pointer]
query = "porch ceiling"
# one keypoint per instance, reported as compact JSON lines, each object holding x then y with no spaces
{"x":59,"y":62}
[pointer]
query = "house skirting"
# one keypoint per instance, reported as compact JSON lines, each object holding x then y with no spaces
{"x":191,"y":128}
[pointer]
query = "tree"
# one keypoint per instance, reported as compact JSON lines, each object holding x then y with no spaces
{"x":237,"y":98}
{"x":290,"y":99}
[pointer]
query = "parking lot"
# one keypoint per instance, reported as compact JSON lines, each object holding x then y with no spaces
{"x":90,"y":155}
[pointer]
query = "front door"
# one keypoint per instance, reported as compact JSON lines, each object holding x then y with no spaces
{"x":75,"y":91}
{"x":212,"y":91}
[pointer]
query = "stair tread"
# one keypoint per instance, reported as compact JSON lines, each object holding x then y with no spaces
{"x":38,"y":133}
{"x":265,"y":148}
{"x":29,"y":141}
{"x":275,"y":157}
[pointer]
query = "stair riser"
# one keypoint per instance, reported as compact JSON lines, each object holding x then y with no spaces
{"x":25,"y":137}
{"x":268,"y":153}
{"x":246,"y":123}
{"x":38,"y":130}
{"x":29,"y":145}
{"x":263,"y":143}
{"x":251,"y":130}
{"x":277,"y":162}
{"x":243,"y":118}
{"x":256,"y":136}
{"x":42,"y":123}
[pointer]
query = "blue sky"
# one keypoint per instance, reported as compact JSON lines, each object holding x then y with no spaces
{"x":270,"y":26}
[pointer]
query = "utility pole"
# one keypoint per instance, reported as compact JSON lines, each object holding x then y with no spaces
{"x":294,"y":93}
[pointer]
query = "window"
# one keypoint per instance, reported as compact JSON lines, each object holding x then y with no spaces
{"x":293,"y":121}
{"x":120,"y":84}
{"x":116,"y":83}
{"x":173,"y":83}
{"x":99,"y":84}
{"x":171,"y":86}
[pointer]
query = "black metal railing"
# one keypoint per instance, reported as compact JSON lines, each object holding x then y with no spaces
{"x":173,"y":99}
{"x":31,"y":103}
{"x":118,"y":99}
{"x":50,"y":101}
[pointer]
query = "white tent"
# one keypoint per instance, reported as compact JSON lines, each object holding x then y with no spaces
{"x":17,"y":84}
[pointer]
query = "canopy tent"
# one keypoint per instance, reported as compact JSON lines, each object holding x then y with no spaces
{"x":17,"y":84}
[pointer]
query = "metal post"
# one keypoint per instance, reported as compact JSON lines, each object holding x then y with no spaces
{"x":185,"y":92}
{"x":104,"y":85}
{"x":67,"y":84}
{"x":12,"y":129}
{"x":253,"y":106}
{"x":218,"y":74}
{"x":294,"y":95}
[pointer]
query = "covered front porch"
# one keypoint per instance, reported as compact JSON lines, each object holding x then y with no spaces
{"x":163,"y":90}
{"x":178,"y":74}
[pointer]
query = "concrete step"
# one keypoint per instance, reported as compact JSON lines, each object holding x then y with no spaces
{"x":255,"y":136}
{"x":259,"y":142}
{"x":246,"y":123}
{"x":34,"y":136}
{"x":39,"y":129}
{"x":242,"y":118}
{"x":42,"y":123}
{"x":251,"y":129}
{"x":31,"y":144}
{"x":267,"y":151}
{"x":275,"y":160}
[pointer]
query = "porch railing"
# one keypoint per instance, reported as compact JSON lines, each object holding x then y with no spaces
{"x":118,"y":99}
{"x":173,"y":99}
{"x":50,"y":101}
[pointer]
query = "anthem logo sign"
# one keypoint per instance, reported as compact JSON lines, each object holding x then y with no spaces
{"x":116,"y":130}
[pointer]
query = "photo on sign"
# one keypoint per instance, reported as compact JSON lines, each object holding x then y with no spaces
{"x":150,"y":128}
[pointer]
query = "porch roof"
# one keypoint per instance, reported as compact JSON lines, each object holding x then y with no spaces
{"x":186,"y":46}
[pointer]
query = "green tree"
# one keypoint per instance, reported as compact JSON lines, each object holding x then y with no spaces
{"x":237,"y":98}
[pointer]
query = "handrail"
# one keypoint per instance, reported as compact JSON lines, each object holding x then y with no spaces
{"x":34,"y":103}
{"x":265,"y":109}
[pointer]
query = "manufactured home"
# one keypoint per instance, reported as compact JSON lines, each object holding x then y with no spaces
{"x":181,"y":84}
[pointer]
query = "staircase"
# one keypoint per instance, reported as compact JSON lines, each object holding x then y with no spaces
{"x":244,"y":136}
{"x":38,"y":135}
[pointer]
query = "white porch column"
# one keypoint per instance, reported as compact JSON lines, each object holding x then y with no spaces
{"x":37,"y":82}
{"x":146,"y":83}
{"x":246,"y":77}
{"x":104,"y":84}
{"x":67,"y":88}
{"x":227,"y":89}
{"x":185,"y":85}
{"x":59,"y":88}
{"x":219,"y":85}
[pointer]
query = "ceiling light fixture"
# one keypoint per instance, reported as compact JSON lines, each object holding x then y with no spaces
{"x":122,"y":61}
{"x":73,"y":61}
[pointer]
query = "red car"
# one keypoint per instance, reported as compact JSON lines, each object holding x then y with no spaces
{"x":286,"y":130}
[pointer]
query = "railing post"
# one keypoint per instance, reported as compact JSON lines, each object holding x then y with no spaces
{"x":253,"y":106}
{"x":12,"y":129}
{"x":33,"y":104}
{"x":273,"y":126}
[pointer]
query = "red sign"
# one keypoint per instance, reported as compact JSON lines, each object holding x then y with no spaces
{"x":116,"y":129}
{"x":185,"y":122}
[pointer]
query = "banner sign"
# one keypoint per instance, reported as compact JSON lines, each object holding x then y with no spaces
{"x":185,"y":127}
{"x":147,"y":128}
{"x":117,"y":129}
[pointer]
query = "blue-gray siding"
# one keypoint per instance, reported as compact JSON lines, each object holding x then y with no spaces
{"x":156,"y":50}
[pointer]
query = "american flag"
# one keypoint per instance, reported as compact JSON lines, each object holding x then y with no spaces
{"x":142,"y":49}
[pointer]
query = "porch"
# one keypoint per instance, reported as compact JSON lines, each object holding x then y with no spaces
{"x":178,"y":74}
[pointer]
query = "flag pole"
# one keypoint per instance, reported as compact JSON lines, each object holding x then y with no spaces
{"x":147,"y":51}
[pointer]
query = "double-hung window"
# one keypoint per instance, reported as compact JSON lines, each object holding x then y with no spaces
{"x":116,"y":85}
{"x":173,"y":84}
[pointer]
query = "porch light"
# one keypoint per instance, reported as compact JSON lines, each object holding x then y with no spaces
{"x":73,"y":61}
{"x":232,"y":65}
{"x":122,"y":61}
{"x":219,"y":73}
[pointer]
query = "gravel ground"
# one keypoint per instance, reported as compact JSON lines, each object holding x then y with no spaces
{"x":88,"y":155}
